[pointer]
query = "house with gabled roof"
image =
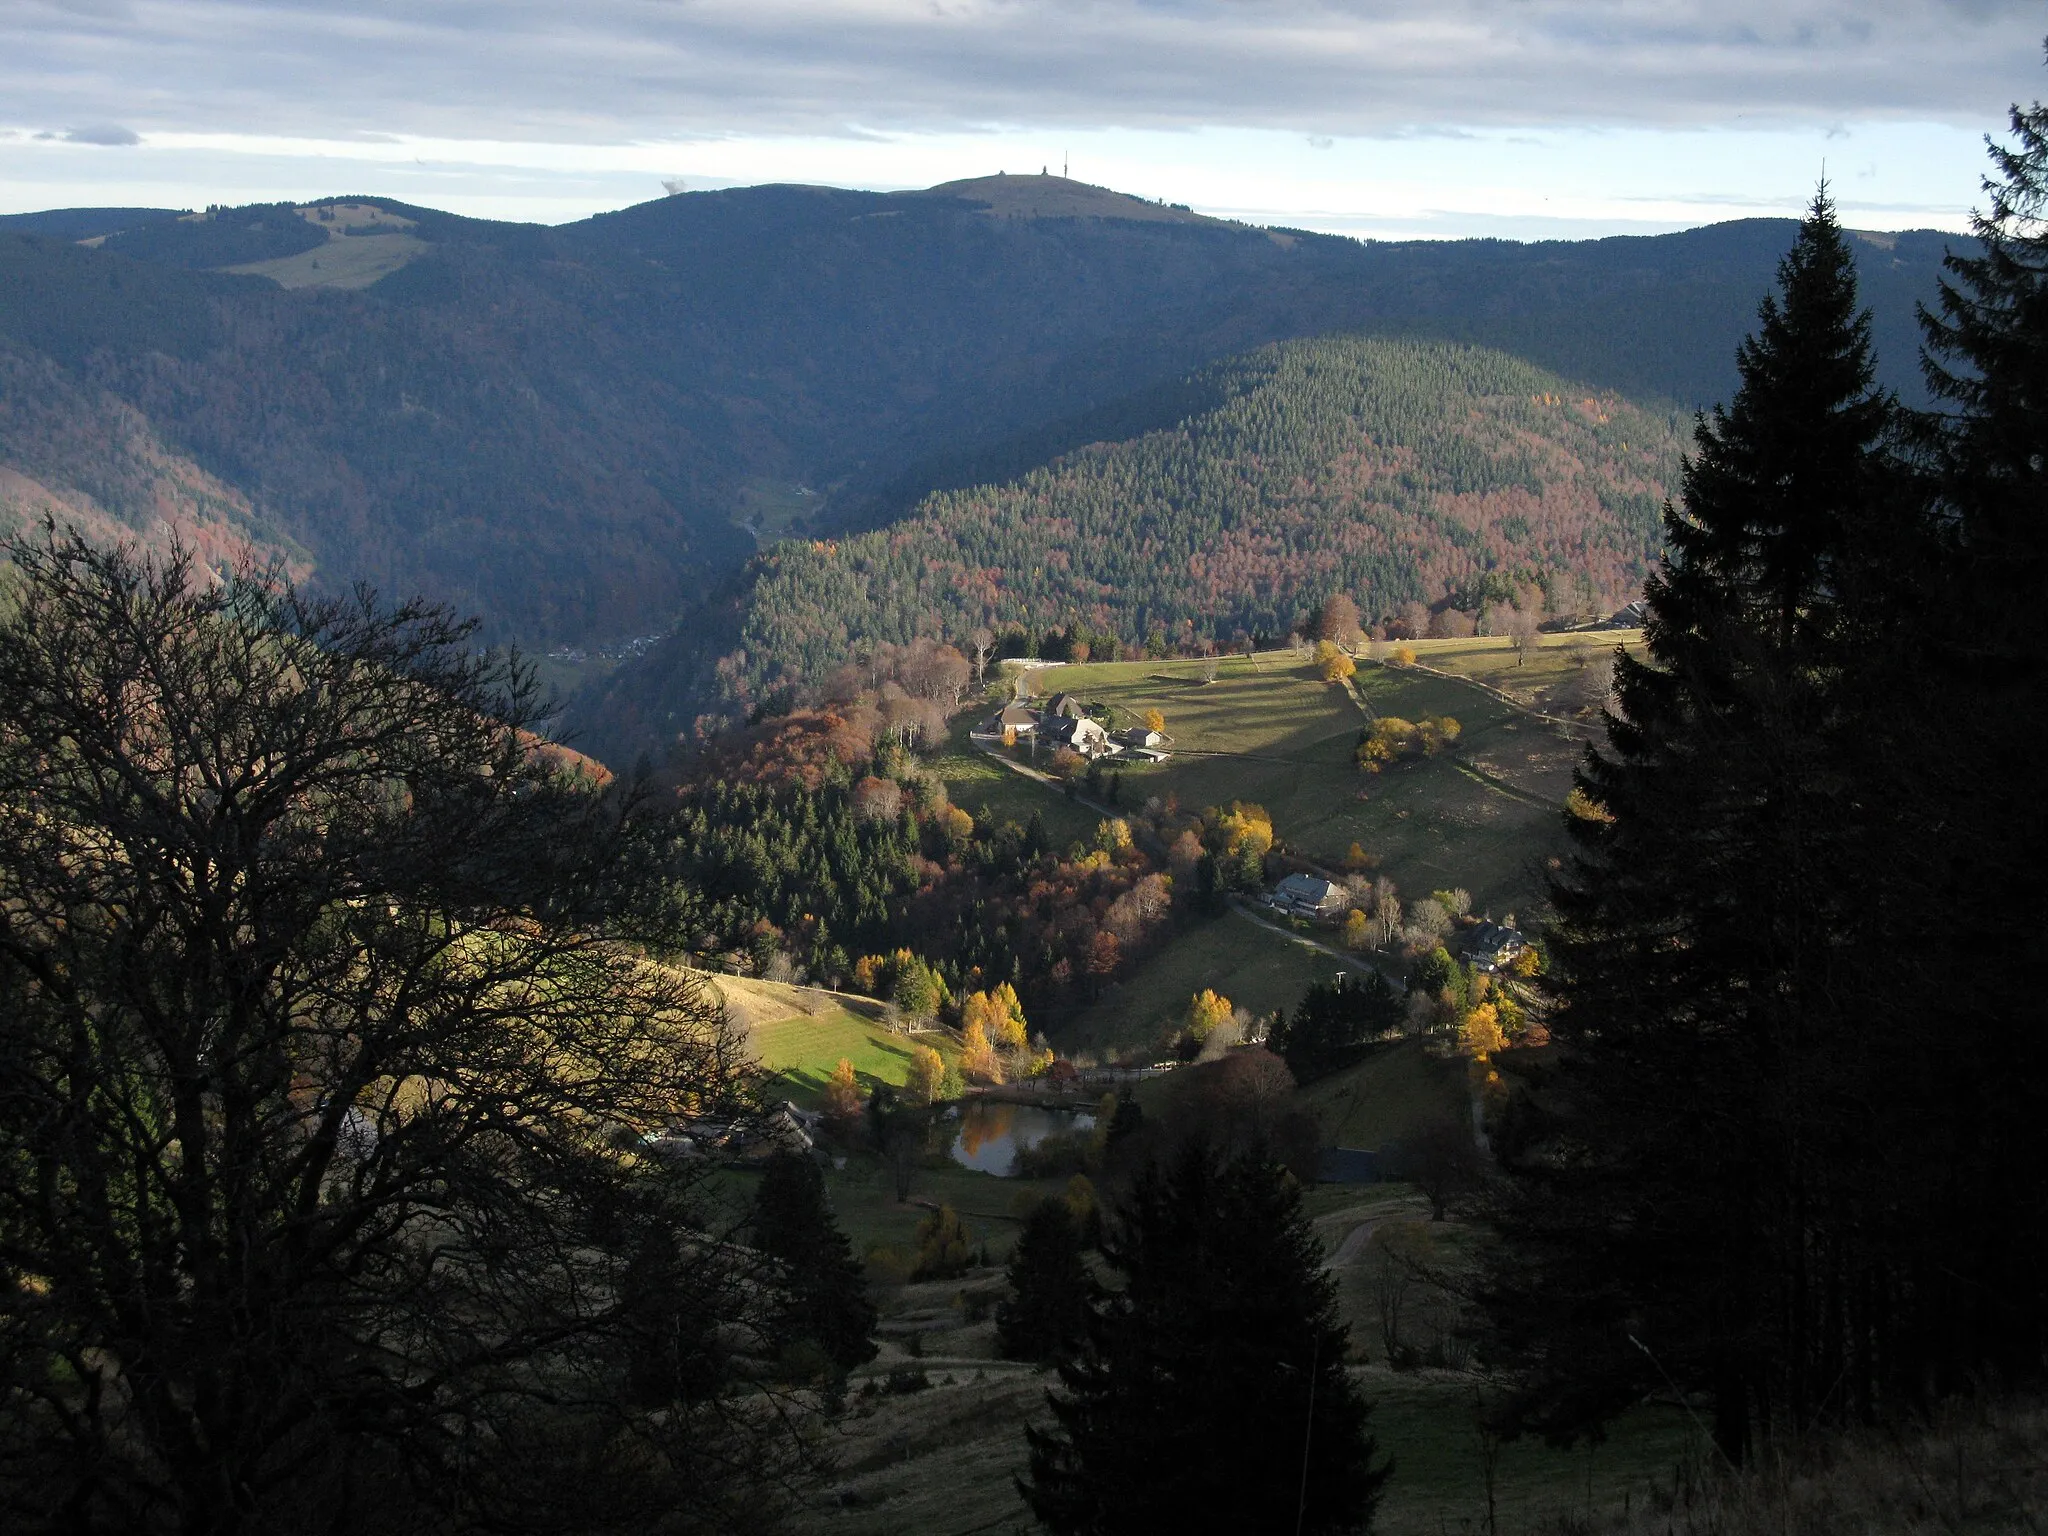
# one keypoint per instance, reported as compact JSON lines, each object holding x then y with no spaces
{"x":1490,"y":946}
{"x":1309,"y":896}
{"x":1085,"y":736}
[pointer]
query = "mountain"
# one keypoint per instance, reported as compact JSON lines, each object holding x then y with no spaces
{"x":83,"y":223}
{"x":1392,"y":471}
{"x":577,"y":431}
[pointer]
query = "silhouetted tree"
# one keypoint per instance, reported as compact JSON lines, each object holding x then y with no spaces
{"x":324,"y":1072}
{"x":1046,"y":1314}
{"x":1333,"y":1020}
{"x":1213,"y":1394}
{"x":823,"y":1296}
{"x":1710,"y":1078}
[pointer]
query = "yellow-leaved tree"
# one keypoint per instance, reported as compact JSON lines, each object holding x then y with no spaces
{"x":1207,"y":1012}
{"x":977,"y":1057}
{"x":1333,"y":665}
{"x":1357,"y":930}
{"x":999,"y":1015}
{"x":1247,"y":830}
{"x":842,"y":1093}
{"x":1154,"y":720}
{"x":926,"y":1084}
{"x":1480,"y":1035}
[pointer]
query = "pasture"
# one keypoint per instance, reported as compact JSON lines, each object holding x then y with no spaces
{"x":1247,"y":962}
{"x":801,"y":1033}
{"x":992,"y":794}
{"x":1387,"y":1096}
{"x":1483,"y":816}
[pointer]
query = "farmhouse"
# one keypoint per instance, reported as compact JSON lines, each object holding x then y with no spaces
{"x":1021,"y":718}
{"x":1085,"y":736}
{"x":1064,"y":706}
{"x":1491,"y":946}
{"x":1309,"y":896}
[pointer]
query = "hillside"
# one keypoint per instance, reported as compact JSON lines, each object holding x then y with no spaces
{"x":575,"y":430}
{"x":1392,"y":471}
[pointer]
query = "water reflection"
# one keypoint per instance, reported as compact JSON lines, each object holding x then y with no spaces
{"x":991,"y":1134}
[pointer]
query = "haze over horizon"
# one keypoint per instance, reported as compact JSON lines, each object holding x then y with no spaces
{"x":1557,"y":118}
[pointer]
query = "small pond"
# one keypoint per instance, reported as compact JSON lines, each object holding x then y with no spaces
{"x":990,"y":1134}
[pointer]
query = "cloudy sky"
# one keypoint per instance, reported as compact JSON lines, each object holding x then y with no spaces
{"x":1525,"y":118}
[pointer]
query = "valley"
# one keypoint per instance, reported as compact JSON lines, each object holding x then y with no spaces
{"x":1145,"y":861}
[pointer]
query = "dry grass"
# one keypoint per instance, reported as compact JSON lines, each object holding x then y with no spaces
{"x":1980,"y":1469}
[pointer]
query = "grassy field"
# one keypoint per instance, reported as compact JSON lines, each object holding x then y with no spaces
{"x":801,"y":1034}
{"x":1388,"y":1095}
{"x":992,"y":794}
{"x":1268,"y":730}
{"x":1247,"y":962}
{"x":343,"y":262}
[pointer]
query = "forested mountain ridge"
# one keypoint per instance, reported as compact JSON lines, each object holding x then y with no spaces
{"x":1391,"y":471}
{"x":569,"y":429}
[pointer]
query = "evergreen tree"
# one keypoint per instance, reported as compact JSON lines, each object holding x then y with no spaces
{"x":824,"y":1301}
{"x":1335,"y":1018}
{"x":1212,"y":1394}
{"x":1046,"y":1315}
{"x":1692,"y":1230}
{"x":1966,"y":824}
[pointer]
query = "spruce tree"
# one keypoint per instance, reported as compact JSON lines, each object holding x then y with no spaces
{"x":823,"y":1298}
{"x":1668,"y":1230}
{"x":1046,"y":1315}
{"x":1969,"y":827}
{"x":1212,"y":1394}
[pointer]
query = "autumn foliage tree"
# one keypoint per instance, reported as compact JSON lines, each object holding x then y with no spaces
{"x":842,"y":1094}
{"x":1333,"y":664}
{"x":1337,"y":621}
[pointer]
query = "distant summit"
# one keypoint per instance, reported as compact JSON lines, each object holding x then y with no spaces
{"x":1046,"y":196}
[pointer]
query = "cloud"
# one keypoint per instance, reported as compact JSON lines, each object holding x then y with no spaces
{"x":104,"y":133}
{"x":614,"y":70}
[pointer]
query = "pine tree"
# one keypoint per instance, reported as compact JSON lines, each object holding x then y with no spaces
{"x":1686,"y":1236}
{"x":1046,"y":1314}
{"x":1212,"y":1395}
{"x":824,"y":1301}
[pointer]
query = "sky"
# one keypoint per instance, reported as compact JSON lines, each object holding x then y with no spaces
{"x":1528,"y":119}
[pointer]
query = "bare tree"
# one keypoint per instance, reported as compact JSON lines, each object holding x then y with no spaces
{"x":982,"y":645}
{"x":1524,"y":627}
{"x":324,"y":1080}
